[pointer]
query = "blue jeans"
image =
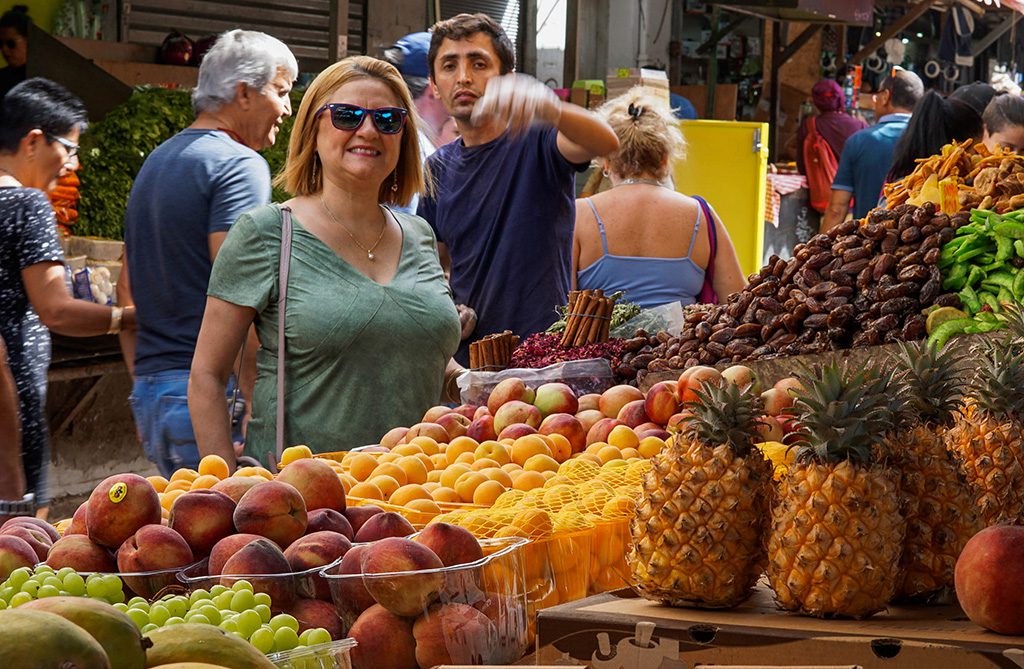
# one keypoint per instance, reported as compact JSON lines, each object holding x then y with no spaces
{"x":160,"y":405}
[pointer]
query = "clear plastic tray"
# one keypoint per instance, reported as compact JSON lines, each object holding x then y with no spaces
{"x":495,"y":586}
{"x":150,"y":585}
{"x":284,"y":589}
{"x":334,"y":655}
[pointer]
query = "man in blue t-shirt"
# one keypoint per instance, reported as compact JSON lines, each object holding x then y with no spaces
{"x":867,"y":155}
{"x":189,"y":191}
{"x":503,"y":203}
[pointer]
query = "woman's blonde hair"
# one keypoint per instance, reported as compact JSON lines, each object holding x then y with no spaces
{"x":303,"y":174}
{"x":648,"y":134}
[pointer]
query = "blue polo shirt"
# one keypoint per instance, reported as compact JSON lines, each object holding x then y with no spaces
{"x":866,"y":159}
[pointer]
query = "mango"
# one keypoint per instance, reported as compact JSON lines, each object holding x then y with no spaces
{"x":202,"y":643}
{"x":115,"y":631}
{"x":47,"y":641}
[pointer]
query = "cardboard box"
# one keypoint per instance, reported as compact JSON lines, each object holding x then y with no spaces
{"x":622,"y":631}
{"x":622,"y":79}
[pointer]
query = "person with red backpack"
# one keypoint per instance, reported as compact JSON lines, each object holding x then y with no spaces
{"x":821,"y":139}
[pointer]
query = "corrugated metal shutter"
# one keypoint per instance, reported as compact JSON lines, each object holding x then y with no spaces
{"x":505,"y":12}
{"x":304,"y":25}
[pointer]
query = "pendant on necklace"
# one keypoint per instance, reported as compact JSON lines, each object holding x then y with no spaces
{"x":370,"y":256}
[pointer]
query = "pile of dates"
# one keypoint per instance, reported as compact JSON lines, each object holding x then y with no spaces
{"x":863,"y":283}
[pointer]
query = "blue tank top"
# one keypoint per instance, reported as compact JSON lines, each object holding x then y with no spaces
{"x":649,"y":282}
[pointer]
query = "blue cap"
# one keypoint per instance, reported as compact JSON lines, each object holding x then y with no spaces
{"x":414,"y":50}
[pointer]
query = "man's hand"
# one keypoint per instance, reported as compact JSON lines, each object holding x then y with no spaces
{"x":467,"y":319}
{"x":519,"y":100}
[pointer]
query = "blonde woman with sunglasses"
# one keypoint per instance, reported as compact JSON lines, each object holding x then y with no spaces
{"x":369,"y":321}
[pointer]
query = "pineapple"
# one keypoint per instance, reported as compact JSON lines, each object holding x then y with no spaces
{"x":988,"y":433}
{"x":836,"y":531}
{"x":939,"y":505}
{"x":698,"y":533}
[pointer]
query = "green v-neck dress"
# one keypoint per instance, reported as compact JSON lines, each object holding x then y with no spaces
{"x":360,"y":357}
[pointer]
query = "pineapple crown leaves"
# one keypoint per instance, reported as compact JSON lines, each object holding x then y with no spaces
{"x":725,"y":414}
{"x":932,"y":381}
{"x":998,"y":385}
{"x":845,"y":413}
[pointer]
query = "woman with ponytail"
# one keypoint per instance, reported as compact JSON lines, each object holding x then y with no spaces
{"x":641,"y":236}
{"x":936,"y":121}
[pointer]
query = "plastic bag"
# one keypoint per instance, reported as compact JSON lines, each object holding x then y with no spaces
{"x":593,"y":375}
{"x":667,"y":318}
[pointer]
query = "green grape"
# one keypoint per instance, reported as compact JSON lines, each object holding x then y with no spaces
{"x":264,"y":612}
{"x":94,"y":588}
{"x":304,"y":637}
{"x":122,"y":607}
{"x":20,"y":598}
{"x":47,"y":591}
{"x":146,"y":629}
{"x":317,"y":636}
{"x":263,"y":639}
{"x":117,"y":597}
{"x":248,"y":622}
{"x":241,"y":585}
{"x":174,"y":620}
{"x":211,"y":612}
{"x":18,"y":577}
{"x":262,"y":598}
{"x":223,"y":600}
{"x":64,"y":571}
{"x":74,"y":584}
{"x":30,"y":587}
{"x":197,"y":618}
{"x":111,"y":586}
{"x":7,"y":592}
{"x":54,"y":582}
{"x":177,"y":606}
{"x":242,"y":600}
{"x":139,"y":617}
{"x":197,"y":596}
{"x":285,"y":639}
{"x":44,"y":569}
{"x":237,"y":636}
{"x":218,"y":589}
{"x":138,"y":602}
{"x":229,"y":625}
{"x":284,"y":620}
{"x":158,"y":614}
{"x":3,"y":605}
{"x":64,"y":593}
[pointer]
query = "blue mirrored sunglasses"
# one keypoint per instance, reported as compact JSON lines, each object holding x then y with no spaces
{"x":388,"y":120}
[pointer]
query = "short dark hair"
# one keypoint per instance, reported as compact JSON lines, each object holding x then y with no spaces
{"x":906,"y":87}
{"x":464,"y":26}
{"x":38,"y":103}
{"x":1004,"y":110}
{"x":17,"y":17}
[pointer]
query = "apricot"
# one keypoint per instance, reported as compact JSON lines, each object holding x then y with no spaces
{"x":159,"y":483}
{"x":181,"y":485}
{"x":487,"y":492}
{"x":494,"y":451}
{"x":392,"y":470}
{"x":407,"y":449}
{"x":466,"y":459}
{"x":184,"y":474}
{"x":528,"y":480}
{"x":407,"y":493}
{"x":444,"y":494}
{"x":387,"y":484}
{"x":561,"y":447}
{"x":427,"y":445}
{"x":622,"y":436}
{"x":526,"y":447}
{"x":452,"y":473}
{"x":214,"y":465}
{"x":367,"y":490}
{"x":467,"y":484}
{"x":498,"y":474}
{"x":204,"y":482}
{"x":541,"y":463}
{"x":460,"y":445}
{"x":426,"y":506}
{"x":167,"y":498}
{"x":293,"y":453}
{"x":434,"y":476}
{"x":414,"y":470}
{"x":650,"y":446}
{"x":483,"y":463}
{"x":609,"y":453}
{"x":361,"y":466}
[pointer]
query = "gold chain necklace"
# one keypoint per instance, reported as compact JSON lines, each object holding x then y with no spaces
{"x":369,"y":251}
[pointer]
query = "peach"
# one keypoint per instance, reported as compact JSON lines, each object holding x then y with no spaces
{"x":455,"y":424}
{"x":432,"y":430}
{"x":358,"y":515}
{"x":555,"y":398}
{"x":509,"y":390}
{"x":661,"y":402}
{"x":350,"y":593}
{"x":15,"y":553}
{"x":202,"y":517}
{"x":648,"y":426}
{"x":38,"y":540}
{"x":312,"y":613}
{"x":435,"y":412}
{"x":482,"y":429}
{"x":616,"y":397}
{"x":480,"y":412}
{"x":274,"y":510}
{"x":588,"y":417}
{"x":384,"y":525}
{"x":454,"y":545}
{"x":317,"y":482}
{"x":790,"y":384}
{"x":633,"y":413}
{"x":467,"y":410}
{"x":393,"y":437}
{"x":776,"y":401}
{"x":385,"y":641}
{"x":989,"y":579}
{"x":80,"y":553}
{"x":514,"y":412}
{"x":236,"y":486}
{"x":262,"y":556}
{"x":677,"y":423}
{"x":742,"y":376}
{"x":78,"y":521}
{"x":589,"y":402}
{"x":516,"y":430}
{"x":569,"y":427}
{"x":119,"y":506}
{"x":153,"y":547}
{"x":317,"y":550}
{"x":405,"y":595}
{"x":691,"y":380}
{"x":38,"y":523}
{"x":225,"y":548}
{"x":454,"y":634}
{"x":601,"y":429}
{"x":320,"y":520}
{"x":659,"y":433}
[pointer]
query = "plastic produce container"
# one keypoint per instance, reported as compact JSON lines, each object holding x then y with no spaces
{"x":151,"y":585}
{"x":334,"y":655}
{"x":284,"y":589}
{"x":471,"y":614}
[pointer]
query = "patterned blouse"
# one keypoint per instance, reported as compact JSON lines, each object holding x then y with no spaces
{"x":28,"y":236}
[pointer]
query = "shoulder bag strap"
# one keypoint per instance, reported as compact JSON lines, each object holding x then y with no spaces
{"x":282,"y":302}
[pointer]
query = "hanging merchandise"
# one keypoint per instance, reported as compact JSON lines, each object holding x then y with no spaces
{"x":932,"y":69}
{"x":895,"y":51}
{"x":874,"y":63}
{"x":955,"y":43}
